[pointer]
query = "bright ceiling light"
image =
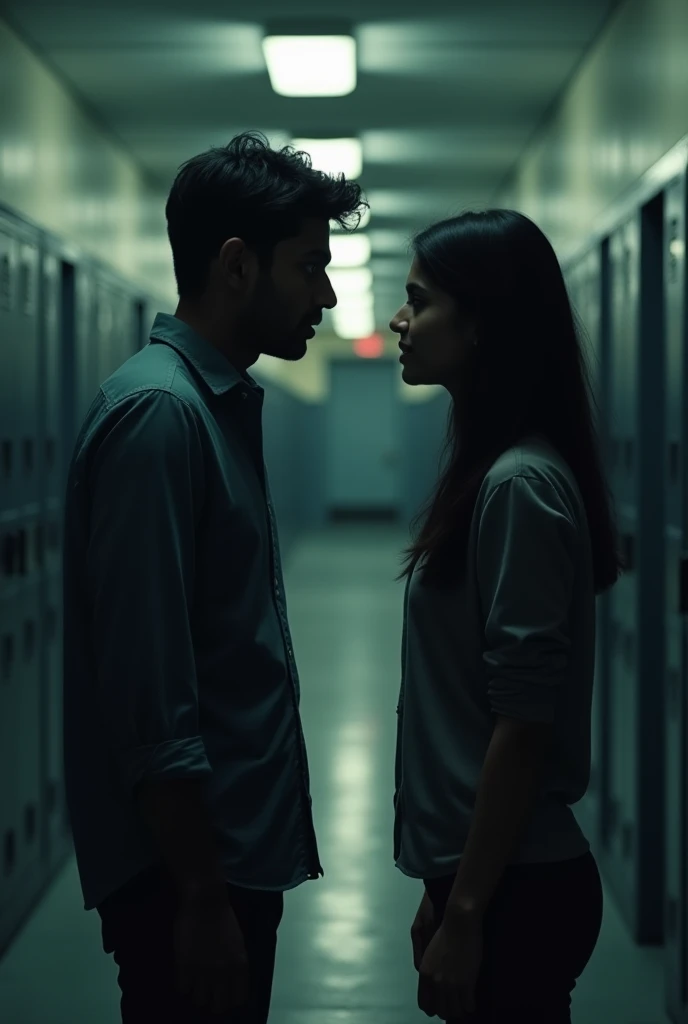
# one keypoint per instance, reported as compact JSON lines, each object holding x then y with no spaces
{"x":353,"y":323}
{"x":334,"y":156}
{"x":365,"y":220}
{"x":350,"y":250}
{"x":354,"y":303}
{"x":353,"y":281}
{"x":311,"y":65}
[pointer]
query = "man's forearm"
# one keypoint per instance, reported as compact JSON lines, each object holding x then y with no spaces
{"x":175,"y":812}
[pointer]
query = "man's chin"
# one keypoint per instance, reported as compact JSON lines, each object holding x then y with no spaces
{"x":292,"y":350}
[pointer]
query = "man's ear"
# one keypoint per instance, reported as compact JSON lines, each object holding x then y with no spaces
{"x":237,"y":263}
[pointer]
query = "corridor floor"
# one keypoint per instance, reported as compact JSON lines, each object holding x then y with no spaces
{"x":344,"y":954}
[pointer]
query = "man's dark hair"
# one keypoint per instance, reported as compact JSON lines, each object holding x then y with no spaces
{"x":248,"y":190}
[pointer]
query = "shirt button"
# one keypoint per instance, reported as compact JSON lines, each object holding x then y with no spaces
{"x":243,"y":394}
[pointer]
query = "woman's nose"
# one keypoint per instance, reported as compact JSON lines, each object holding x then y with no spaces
{"x":399,"y":326}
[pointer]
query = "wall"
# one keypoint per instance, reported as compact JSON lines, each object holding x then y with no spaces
{"x":625,"y":109}
{"x":63,"y":171}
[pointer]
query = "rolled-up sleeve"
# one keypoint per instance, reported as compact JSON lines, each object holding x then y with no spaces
{"x":145,"y":488}
{"x":527,"y":547}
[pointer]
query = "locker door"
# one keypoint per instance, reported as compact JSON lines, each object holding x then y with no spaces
{"x":86,"y":367}
{"x":9,"y":674}
{"x":51,"y":375}
{"x":624,"y":272}
{"x":55,"y":844}
{"x":597,"y":795}
{"x":104,"y":339}
{"x":26,"y":383}
{"x":675,"y":543}
{"x":8,"y":414}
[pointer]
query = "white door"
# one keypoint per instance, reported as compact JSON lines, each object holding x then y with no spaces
{"x":363,"y":423}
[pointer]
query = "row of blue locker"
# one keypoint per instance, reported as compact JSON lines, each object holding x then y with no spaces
{"x":630,"y":292}
{"x":64,"y":327}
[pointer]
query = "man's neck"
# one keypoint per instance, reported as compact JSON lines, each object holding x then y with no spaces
{"x":217,"y":334}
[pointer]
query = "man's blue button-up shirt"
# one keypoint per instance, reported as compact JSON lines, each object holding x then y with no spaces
{"x":178,"y":661}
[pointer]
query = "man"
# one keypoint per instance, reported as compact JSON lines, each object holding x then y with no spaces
{"x":186,"y":771}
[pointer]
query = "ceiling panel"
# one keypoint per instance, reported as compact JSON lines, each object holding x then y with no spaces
{"x":448,"y":93}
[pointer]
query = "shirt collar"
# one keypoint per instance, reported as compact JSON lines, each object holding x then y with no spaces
{"x":216,"y":370}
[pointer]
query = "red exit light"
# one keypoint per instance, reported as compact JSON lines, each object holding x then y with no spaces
{"x":369,"y":348}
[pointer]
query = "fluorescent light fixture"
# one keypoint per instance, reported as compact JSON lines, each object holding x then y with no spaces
{"x":351,"y":282}
{"x":365,"y":220}
{"x":354,"y":303}
{"x":352,"y":323}
{"x":334,"y":156}
{"x":311,"y":65}
{"x":350,"y":250}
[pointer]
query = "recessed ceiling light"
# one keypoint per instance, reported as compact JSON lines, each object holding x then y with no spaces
{"x":334,"y":156}
{"x":349,"y":250}
{"x":311,"y":65}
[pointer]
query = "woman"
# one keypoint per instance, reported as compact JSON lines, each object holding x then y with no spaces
{"x":499,"y":629}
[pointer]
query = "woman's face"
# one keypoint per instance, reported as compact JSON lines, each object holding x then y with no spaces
{"x":436,"y":339}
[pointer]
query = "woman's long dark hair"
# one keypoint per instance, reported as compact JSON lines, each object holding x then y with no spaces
{"x":528,"y":375}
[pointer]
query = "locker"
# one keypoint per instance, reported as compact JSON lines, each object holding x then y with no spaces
{"x":51,"y":376}
{"x":104,"y":340}
{"x":8,"y":301}
{"x":586,"y":294}
{"x":25,"y":339}
{"x":624,"y":254}
{"x":56,"y":837}
{"x":633,"y":852}
{"x":9,"y":675}
{"x":22,"y":875}
{"x":675,"y":544}
{"x":85,"y":363}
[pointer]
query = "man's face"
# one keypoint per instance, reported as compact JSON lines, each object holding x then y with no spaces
{"x":290,"y":297}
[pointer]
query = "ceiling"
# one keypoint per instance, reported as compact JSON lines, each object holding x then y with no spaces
{"x":449,"y":91}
